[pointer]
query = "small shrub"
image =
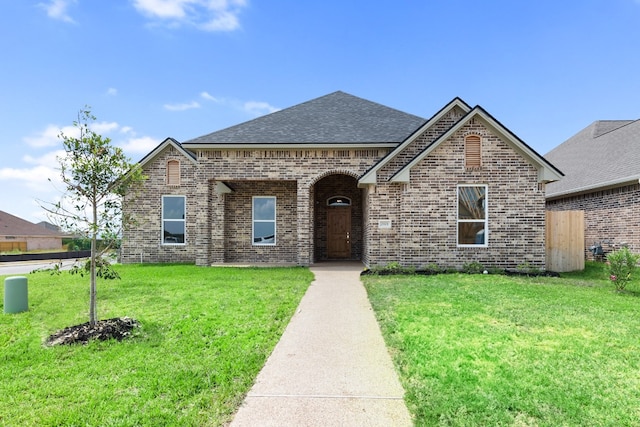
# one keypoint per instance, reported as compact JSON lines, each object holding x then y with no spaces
{"x":393,"y":268}
{"x":433,"y":268}
{"x":472,"y":268}
{"x":525,"y":267}
{"x":622,"y":263}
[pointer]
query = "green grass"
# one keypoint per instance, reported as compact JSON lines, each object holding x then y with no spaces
{"x":206,"y":333}
{"x":479,"y":350}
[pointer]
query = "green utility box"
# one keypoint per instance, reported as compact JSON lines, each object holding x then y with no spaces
{"x":16,"y":298}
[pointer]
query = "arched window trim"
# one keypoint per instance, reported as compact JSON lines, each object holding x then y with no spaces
{"x":338,"y":201}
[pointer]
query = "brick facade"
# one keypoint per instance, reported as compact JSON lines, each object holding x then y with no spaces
{"x":219,"y":225}
{"x":421,"y":214}
{"x":610,"y":215}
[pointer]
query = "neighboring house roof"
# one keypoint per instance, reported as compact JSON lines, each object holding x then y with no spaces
{"x":603,"y":155}
{"x":11,"y":225}
{"x":337,"y":118}
{"x":546,"y":171}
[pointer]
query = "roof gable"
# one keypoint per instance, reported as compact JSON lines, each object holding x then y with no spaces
{"x":605,"y":154}
{"x":546,"y":171}
{"x":337,"y":118}
{"x":169,"y":142}
{"x":370,"y":177}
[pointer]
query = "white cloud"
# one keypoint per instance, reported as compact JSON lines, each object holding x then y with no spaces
{"x":224,"y":21}
{"x":206,"y":15}
{"x":182,"y":107}
{"x":123,"y":136}
{"x":255,"y":108}
{"x":209,"y":97}
{"x":258,"y":108}
{"x":49,"y":136}
{"x":112,"y":91}
{"x":164,"y":9}
{"x":36,"y":178}
{"x":104,"y":127}
{"x":140,"y":145}
{"x":47,"y":159}
{"x":57,"y":9}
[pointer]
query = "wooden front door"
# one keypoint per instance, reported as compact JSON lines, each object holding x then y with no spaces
{"x":339,"y":233}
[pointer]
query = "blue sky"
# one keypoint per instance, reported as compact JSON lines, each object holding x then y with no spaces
{"x":150,"y":69}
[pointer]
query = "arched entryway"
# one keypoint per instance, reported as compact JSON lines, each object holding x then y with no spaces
{"x":338,"y":218}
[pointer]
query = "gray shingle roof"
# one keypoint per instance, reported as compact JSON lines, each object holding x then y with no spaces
{"x":605,"y":153}
{"x":11,"y":225}
{"x":337,"y":118}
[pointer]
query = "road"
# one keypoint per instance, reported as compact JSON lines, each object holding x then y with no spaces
{"x":26,"y":267}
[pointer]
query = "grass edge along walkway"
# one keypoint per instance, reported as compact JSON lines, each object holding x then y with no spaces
{"x":206,"y":333}
{"x":496,"y":350}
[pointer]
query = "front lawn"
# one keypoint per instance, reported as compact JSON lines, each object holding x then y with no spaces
{"x":206,"y":333}
{"x":479,"y":350}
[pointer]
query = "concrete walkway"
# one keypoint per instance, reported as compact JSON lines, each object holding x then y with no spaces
{"x":331,"y":366}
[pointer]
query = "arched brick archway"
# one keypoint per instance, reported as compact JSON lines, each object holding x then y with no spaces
{"x":345,"y":219}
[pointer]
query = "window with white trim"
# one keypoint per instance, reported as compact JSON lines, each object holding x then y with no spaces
{"x":472,"y":215}
{"x":173,"y":220}
{"x":264,"y":220}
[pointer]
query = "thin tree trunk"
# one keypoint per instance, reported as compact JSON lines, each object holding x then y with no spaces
{"x":93,"y":315}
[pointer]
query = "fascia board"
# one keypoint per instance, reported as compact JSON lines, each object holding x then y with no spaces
{"x":164,"y":144}
{"x":546,"y":171}
{"x":601,"y":186}
{"x":297,"y":146}
{"x":369,"y":178}
{"x":403,"y":175}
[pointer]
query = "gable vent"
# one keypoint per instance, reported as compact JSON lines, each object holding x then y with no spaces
{"x":173,"y":172}
{"x":472,"y":152}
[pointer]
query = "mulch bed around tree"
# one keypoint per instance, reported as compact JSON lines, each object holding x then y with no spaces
{"x":117,"y":328}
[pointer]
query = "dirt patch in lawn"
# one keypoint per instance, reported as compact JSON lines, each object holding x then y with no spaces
{"x":117,"y":328}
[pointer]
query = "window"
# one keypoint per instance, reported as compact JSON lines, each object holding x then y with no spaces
{"x":339,"y":201}
{"x":264,"y":221}
{"x":472,"y":215}
{"x":173,"y":172}
{"x":173,"y":220}
{"x":472,"y":152}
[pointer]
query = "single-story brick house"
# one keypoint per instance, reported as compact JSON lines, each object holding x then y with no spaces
{"x":19,"y":234}
{"x":340,"y":177}
{"x":602,"y":167}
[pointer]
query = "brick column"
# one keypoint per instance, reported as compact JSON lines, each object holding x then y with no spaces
{"x":203,"y":223}
{"x":304,"y":224}
{"x":217,"y":226}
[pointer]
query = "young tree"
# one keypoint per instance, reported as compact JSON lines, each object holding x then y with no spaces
{"x":96,"y":176}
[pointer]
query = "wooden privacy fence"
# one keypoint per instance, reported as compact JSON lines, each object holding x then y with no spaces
{"x":12,"y":246}
{"x":565,"y":240}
